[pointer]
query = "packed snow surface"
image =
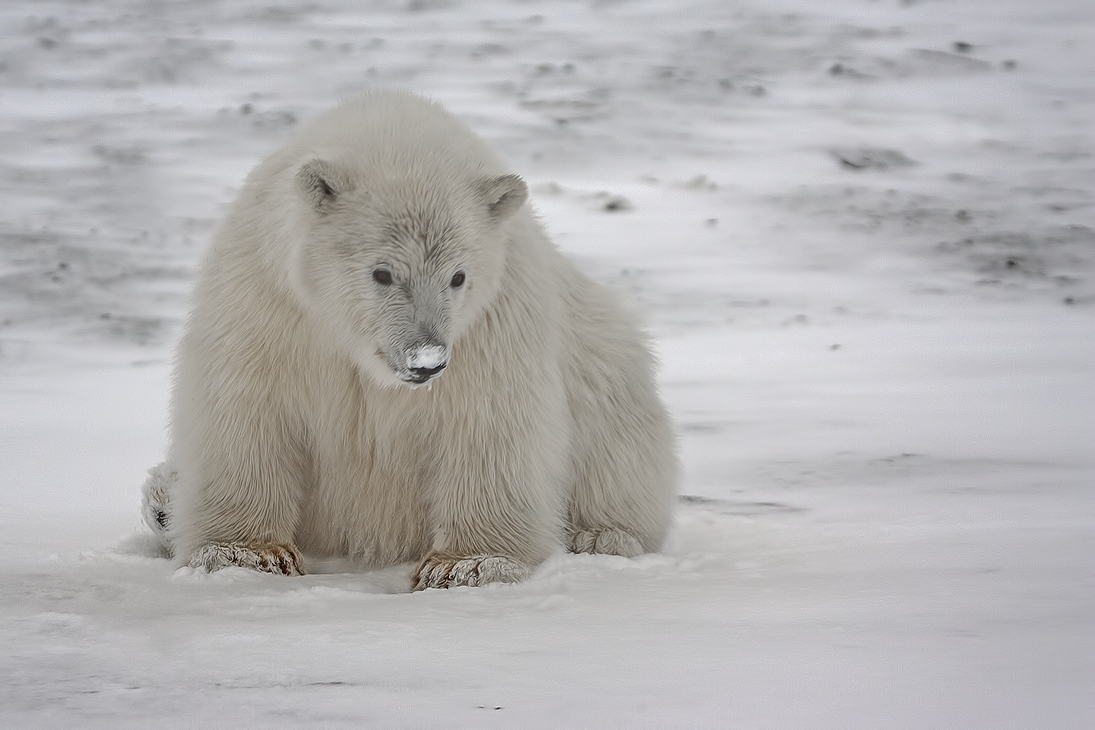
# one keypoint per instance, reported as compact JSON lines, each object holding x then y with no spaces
{"x":862,"y":233}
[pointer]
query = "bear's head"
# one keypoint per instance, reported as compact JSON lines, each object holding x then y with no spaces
{"x":398,"y":266}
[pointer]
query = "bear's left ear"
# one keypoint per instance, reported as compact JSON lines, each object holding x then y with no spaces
{"x":322,"y":183}
{"x":503,"y":195}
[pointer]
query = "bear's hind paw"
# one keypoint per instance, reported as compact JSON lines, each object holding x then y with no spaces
{"x":605,"y":541}
{"x":273,"y":558}
{"x":440,"y":570}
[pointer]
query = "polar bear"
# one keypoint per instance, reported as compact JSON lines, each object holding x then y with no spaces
{"x":387,"y":359}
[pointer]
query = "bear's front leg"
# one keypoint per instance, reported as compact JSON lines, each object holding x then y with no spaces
{"x":272,"y":558}
{"x":497,"y":496}
{"x":241,"y":469}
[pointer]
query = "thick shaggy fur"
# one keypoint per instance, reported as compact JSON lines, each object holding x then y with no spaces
{"x":386,"y":358}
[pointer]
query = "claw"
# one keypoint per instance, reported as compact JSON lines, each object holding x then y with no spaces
{"x":273,"y":558}
{"x":441,"y":570}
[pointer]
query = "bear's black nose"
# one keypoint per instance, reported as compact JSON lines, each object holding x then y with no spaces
{"x":421,"y":375}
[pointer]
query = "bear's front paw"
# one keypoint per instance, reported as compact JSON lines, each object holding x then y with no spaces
{"x":274,"y":558}
{"x":605,"y":541}
{"x":440,"y":570}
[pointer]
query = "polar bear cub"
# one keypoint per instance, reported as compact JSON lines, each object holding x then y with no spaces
{"x":387,"y":359}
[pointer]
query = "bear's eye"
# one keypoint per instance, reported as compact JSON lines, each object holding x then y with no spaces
{"x":382,"y":277}
{"x":457,"y":280}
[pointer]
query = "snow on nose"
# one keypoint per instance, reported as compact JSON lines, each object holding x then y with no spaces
{"x":429,"y":357}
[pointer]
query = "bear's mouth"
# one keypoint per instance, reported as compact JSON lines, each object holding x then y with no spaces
{"x":423,"y":363}
{"x":422,"y":376}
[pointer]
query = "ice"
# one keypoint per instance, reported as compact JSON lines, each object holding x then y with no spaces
{"x":862,"y":235}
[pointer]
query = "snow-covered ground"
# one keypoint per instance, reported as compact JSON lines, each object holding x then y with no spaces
{"x":862,"y":233}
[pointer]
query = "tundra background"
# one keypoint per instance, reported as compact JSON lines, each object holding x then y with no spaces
{"x":861,"y":233}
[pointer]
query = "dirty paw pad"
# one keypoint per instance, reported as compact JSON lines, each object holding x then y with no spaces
{"x":279,"y":559}
{"x":438,"y":570}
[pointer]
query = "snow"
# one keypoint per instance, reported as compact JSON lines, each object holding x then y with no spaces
{"x":862,"y":233}
{"x":427,"y":357}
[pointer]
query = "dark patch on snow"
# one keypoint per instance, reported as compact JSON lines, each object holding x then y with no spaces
{"x":120,"y":290}
{"x":617,"y":203}
{"x":871,"y":158}
{"x":1057,"y":257}
{"x":737,"y":508}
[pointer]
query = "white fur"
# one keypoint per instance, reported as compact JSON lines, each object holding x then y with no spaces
{"x":295,"y":423}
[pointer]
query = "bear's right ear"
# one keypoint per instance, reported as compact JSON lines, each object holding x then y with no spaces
{"x":322,"y":183}
{"x":503,"y":195}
